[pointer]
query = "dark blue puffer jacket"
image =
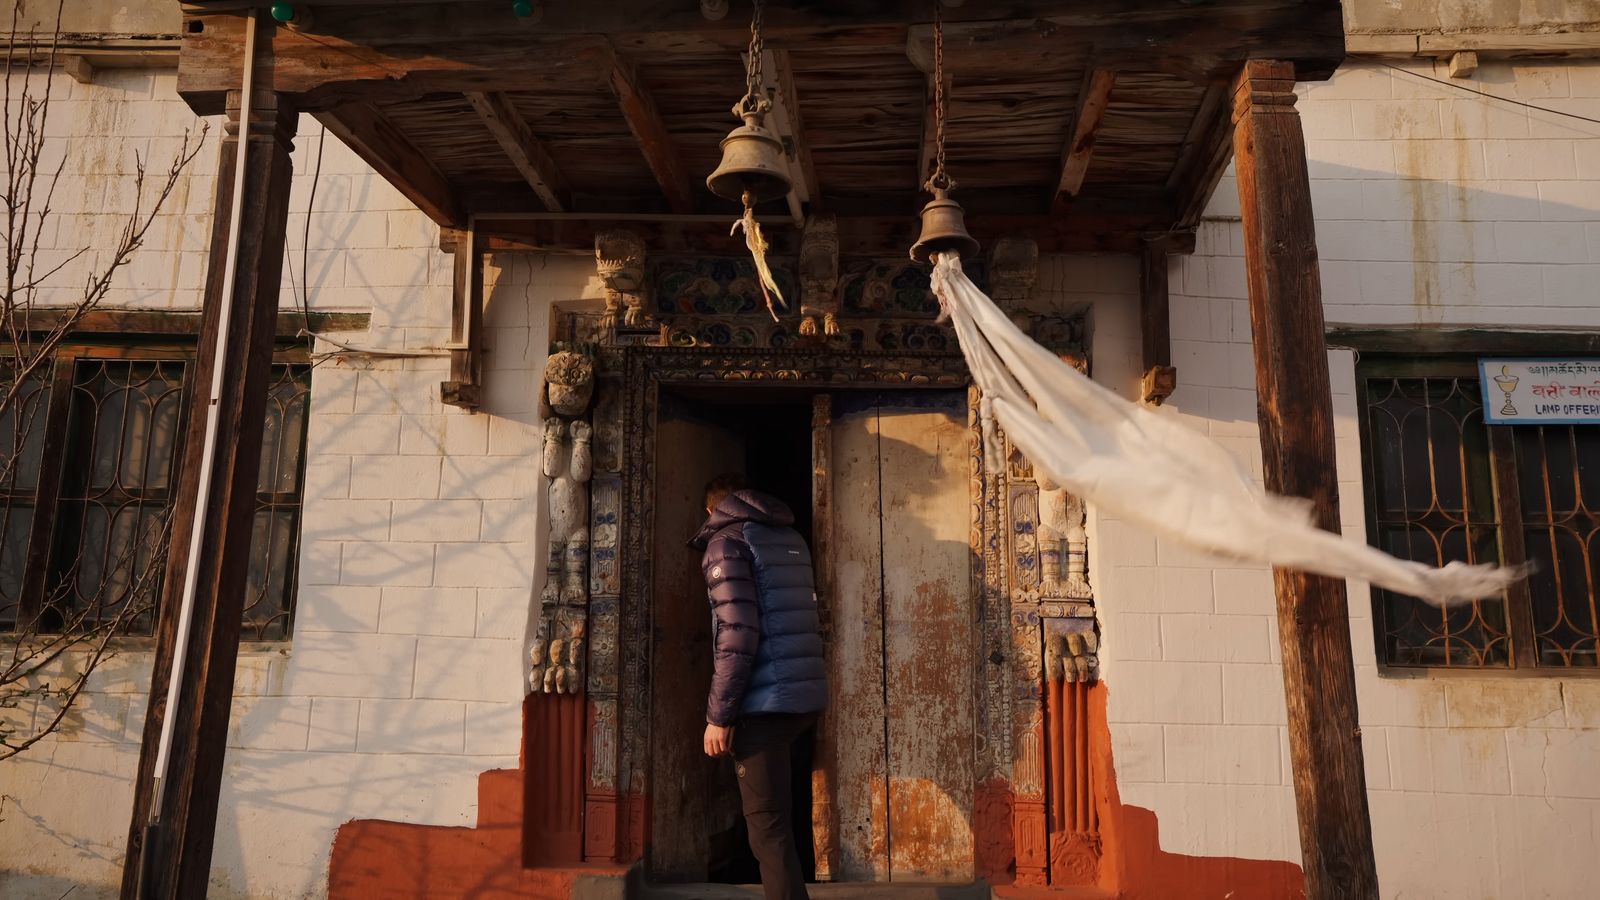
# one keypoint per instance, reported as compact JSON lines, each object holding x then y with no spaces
{"x":763,"y":611}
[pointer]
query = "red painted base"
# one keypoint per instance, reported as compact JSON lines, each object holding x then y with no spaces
{"x":1129,"y":863}
{"x":995,"y":845}
{"x":398,"y":861}
{"x":1133,"y":865}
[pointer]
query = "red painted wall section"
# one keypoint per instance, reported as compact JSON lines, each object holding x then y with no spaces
{"x":411,"y":862}
{"x":1132,"y":864}
{"x":995,"y":845}
{"x":396,"y":860}
{"x":1134,"y":867}
{"x":553,"y":764}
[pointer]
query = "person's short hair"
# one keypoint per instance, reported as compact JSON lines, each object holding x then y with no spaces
{"x":723,"y":485}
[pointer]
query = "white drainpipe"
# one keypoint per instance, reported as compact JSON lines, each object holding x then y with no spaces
{"x":219,"y":370}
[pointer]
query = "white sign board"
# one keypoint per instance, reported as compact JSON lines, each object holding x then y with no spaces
{"x":1540,"y":391}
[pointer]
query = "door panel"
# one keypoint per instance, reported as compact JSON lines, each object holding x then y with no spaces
{"x":928,"y":644}
{"x":857,"y":708}
{"x":692,"y":797}
{"x":903,"y":633}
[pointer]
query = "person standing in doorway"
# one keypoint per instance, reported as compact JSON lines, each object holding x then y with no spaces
{"x":769,"y":683}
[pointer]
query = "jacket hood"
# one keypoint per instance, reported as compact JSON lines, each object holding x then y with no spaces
{"x":743,"y":506}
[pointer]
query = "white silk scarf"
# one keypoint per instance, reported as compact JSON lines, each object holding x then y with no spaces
{"x":1149,"y":469}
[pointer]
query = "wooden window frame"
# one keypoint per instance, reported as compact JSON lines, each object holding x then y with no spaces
{"x":156,"y":336}
{"x":1434,"y":352}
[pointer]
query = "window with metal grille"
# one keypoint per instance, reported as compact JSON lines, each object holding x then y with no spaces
{"x":1443,"y":485}
{"x":89,"y":454}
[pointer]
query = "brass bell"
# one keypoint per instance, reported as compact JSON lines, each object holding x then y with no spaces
{"x":752,"y":162}
{"x":943,"y":228}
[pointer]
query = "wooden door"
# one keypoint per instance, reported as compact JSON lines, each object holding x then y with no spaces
{"x":902,"y":646}
{"x":692,"y":797}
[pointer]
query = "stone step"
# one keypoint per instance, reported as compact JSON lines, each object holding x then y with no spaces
{"x":898,"y":891}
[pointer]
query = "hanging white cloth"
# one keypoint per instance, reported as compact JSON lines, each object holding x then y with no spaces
{"x":1149,"y":469}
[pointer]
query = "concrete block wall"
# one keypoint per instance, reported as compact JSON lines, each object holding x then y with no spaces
{"x":1433,"y":207}
{"x":403,"y":680}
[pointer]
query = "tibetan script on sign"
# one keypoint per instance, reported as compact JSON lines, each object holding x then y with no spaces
{"x":1540,"y":391}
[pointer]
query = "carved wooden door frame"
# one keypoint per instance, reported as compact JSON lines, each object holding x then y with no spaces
{"x":638,"y":373}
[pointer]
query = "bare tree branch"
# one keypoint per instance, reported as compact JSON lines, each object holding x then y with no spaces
{"x":74,"y":627}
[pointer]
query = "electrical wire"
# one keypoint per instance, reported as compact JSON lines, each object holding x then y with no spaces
{"x":1471,"y":90}
{"x":305,"y":241}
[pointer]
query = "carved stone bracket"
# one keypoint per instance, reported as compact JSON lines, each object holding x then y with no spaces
{"x":819,"y":277}
{"x":619,"y":260}
{"x":1013,"y":271}
{"x":1071,"y":650}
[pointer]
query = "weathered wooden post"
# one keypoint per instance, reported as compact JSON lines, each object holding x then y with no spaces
{"x":181,"y":854}
{"x":1296,"y":415}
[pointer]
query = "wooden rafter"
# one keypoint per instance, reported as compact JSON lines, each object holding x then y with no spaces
{"x":526,"y":151}
{"x":644,"y":120}
{"x":1203,"y":156}
{"x":786,"y":109}
{"x":391,"y":154}
{"x":1075,"y":156}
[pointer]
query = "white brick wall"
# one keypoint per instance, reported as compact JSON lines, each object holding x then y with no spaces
{"x":1432,"y":207}
{"x":419,"y":532}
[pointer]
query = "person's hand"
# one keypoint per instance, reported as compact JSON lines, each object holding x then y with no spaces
{"x":719,"y":740}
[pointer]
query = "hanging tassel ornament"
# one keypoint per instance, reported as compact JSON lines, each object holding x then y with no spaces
{"x":757,"y":244}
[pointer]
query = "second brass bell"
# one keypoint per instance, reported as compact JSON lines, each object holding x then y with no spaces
{"x":944,"y":228}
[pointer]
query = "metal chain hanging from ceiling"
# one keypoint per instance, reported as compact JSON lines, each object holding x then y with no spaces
{"x":754,"y":100}
{"x":938,"y":179}
{"x":943,"y":223}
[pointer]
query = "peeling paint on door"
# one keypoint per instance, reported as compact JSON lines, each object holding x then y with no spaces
{"x":903,"y":642}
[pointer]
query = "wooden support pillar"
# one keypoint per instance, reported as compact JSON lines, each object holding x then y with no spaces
{"x":1296,"y":414}
{"x":180,"y":849}
{"x":465,"y":387}
{"x":1155,"y":325}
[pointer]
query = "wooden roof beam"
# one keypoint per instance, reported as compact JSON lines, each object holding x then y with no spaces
{"x":1093,"y":98}
{"x":1204,"y":155}
{"x":648,"y":128}
{"x":527,"y":153}
{"x":786,"y":123}
{"x":391,"y":154}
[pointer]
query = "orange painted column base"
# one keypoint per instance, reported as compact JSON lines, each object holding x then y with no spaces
{"x":1131,"y":863}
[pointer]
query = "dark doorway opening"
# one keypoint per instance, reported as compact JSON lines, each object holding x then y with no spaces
{"x":767,"y":435}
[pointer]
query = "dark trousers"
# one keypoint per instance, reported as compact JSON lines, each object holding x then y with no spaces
{"x":763,"y":756}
